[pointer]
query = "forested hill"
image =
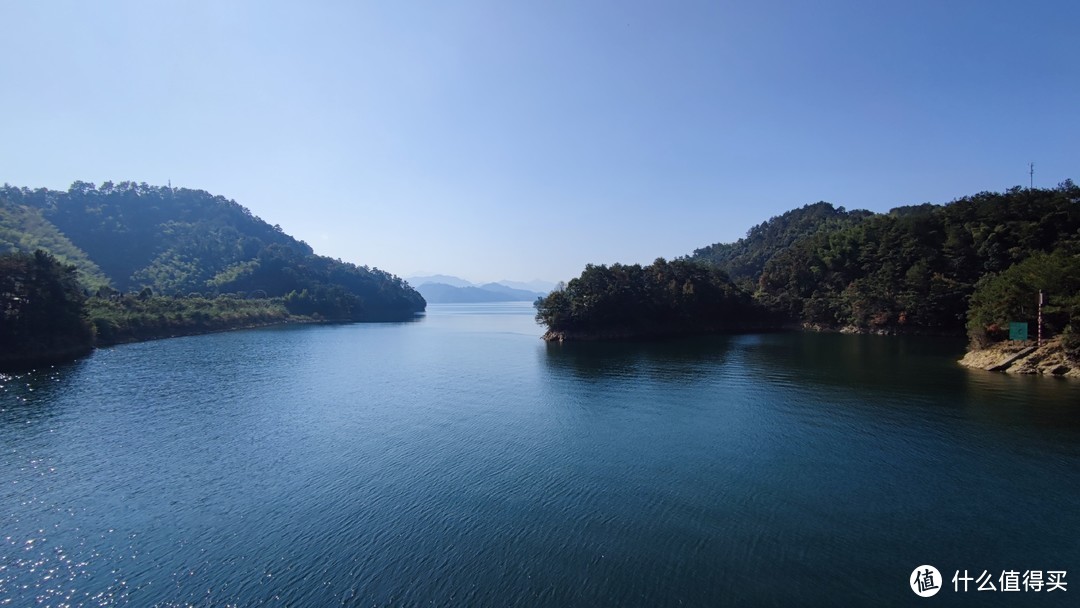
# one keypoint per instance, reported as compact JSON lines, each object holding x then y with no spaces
{"x":918,"y":267}
{"x":744,"y":259}
{"x":23,"y":229}
{"x":178,"y":241}
{"x":139,"y":235}
{"x":661,"y":299}
{"x":977,"y":262}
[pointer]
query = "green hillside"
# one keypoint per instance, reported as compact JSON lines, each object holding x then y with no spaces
{"x":170,"y":239}
{"x":917,"y":267}
{"x":23,"y":229}
{"x":744,"y":259}
{"x":180,"y":242}
{"x":976,"y":263}
{"x":663,"y":298}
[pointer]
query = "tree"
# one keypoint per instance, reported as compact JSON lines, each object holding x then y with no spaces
{"x":680,"y":296}
{"x":1013,"y":294}
{"x":42,"y":316}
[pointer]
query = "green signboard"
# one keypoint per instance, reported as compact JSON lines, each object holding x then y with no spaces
{"x":1018,"y":331}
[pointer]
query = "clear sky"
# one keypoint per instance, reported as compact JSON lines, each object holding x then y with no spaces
{"x":522,"y":140}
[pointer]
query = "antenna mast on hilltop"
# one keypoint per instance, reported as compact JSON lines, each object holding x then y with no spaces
{"x":1031,"y":175}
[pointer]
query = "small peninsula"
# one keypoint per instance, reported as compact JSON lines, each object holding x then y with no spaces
{"x":969,"y":267}
{"x":661,"y":299}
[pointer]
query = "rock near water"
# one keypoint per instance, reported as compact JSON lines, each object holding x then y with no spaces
{"x":1016,"y":357}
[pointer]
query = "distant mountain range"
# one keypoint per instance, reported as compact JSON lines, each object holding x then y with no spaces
{"x":543,"y":287}
{"x":443,"y":279}
{"x":446,"y":289}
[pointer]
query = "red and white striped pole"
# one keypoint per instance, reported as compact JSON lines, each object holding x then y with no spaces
{"x":1039,"y":330}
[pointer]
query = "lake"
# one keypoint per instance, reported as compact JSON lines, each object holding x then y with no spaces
{"x":459,"y":460}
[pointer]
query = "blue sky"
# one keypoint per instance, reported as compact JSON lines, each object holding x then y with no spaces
{"x":523,"y":140}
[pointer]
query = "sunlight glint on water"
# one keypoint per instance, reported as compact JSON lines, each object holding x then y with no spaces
{"x":459,"y":460}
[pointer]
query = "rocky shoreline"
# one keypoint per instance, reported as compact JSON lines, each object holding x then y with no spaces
{"x":1016,"y":357}
{"x":877,"y":331}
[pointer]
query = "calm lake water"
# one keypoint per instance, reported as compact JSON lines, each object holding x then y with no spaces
{"x":460,"y":461}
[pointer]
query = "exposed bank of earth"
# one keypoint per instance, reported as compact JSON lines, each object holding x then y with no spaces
{"x":1017,"y":357}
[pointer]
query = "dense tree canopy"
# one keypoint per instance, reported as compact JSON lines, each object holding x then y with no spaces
{"x":975,"y":263}
{"x":179,"y":241}
{"x":173,"y":239}
{"x":41,"y":310}
{"x":1013,"y":296}
{"x":316,"y":284}
{"x":916,"y":267}
{"x":746,"y":258}
{"x":662,"y":298}
{"x":163,"y":261}
{"x":25,"y":229}
{"x":131,"y":317}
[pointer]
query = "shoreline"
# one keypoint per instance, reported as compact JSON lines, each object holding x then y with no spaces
{"x":211,"y":330}
{"x":563,"y":335}
{"x":26,"y":364}
{"x":881,"y":331}
{"x":22,"y":365}
{"x":1024,"y":358}
{"x":72,"y":355}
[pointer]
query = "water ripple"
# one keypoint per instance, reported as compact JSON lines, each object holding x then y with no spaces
{"x":461,"y":461}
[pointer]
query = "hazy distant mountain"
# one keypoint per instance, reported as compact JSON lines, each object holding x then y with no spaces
{"x":448,"y":289}
{"x":442,"y":279}
{"x":441,"y":293}
{"x":536,"y":285}
{"x":518,"y":295}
